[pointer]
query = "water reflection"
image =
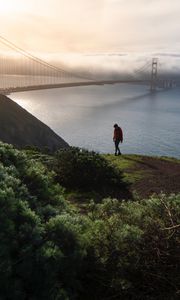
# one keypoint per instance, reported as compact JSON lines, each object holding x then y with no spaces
{"x":84,"y":116}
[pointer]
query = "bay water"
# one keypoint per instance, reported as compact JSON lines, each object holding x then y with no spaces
{"x":84,"y":116}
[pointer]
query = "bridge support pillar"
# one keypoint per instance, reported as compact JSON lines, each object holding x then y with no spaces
{"x":154,"y":74}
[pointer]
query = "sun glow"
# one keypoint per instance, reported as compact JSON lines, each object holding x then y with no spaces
{"x":11,"y":6}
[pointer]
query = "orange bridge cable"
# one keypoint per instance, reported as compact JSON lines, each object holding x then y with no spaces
{"x":36,"y":59}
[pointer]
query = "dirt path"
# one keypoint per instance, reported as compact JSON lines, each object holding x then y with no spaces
{"x":150,"y":175}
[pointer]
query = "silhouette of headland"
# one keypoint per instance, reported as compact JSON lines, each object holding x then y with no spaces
{"x":20,"y":128}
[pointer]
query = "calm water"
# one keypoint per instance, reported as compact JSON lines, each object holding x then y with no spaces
{"x":84,"y":116}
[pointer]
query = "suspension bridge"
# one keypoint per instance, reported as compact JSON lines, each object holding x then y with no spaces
{"x":22,"y":71}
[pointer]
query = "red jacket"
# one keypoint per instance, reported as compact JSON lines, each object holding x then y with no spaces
{"x":118,"y":134}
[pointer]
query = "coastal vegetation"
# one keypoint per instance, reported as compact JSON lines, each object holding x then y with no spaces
{"x":74,"y":227}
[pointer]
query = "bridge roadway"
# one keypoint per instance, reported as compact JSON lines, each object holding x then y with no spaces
{"x":10,"y":90}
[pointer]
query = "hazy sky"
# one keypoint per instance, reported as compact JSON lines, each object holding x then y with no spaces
{"x":88,"y":26}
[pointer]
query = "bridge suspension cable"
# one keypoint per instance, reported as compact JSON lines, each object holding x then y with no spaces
{"x":146,"y":68}
{"x":38,"y":60}
{"x":30,"y":71}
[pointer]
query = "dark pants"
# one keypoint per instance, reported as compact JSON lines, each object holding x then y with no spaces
{"x":116,"y":142}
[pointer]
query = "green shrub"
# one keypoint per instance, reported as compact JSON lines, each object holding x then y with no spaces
{"x":118,"y":250}
{"x":82,"y":169}
{"x":134,"y":249}
{"x":36,"y":258}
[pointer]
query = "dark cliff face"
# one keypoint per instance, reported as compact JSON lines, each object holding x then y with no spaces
{"x":20,"y":128}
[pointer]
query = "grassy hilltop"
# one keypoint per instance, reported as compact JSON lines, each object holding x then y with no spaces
{"x":66,"y":232}
{"x":148,"y":175}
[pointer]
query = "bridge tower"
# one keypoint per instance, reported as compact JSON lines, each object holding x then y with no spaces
{"x":154,"y":74}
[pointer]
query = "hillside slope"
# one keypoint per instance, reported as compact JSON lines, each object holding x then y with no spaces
{"x":20,"y":128}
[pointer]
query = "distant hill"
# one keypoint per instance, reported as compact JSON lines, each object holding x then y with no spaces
{"x":20,"y":128}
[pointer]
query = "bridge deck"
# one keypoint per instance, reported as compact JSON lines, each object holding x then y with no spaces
{"x":64,"y":85}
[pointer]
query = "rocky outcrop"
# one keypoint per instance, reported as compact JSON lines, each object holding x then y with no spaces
{"x":20,"y":128}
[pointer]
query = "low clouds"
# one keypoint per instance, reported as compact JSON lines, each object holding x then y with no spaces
{"x":96,"y":26}
{"x":118,"y":65}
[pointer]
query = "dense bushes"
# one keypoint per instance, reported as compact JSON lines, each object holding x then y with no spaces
{"x":136,"y":248}
{"x":40,"y":253}
{"x":118,"y":250}
{"x":83,"y":169}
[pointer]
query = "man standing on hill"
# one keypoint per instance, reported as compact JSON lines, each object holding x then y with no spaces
{"x":117,"y":138}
